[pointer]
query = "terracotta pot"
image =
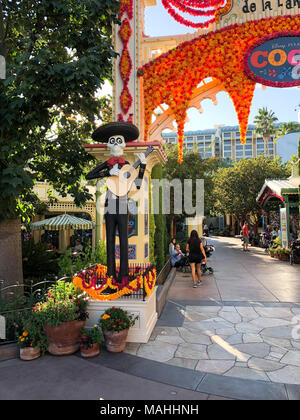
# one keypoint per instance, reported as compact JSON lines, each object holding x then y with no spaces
{"x":115,"y":341}
{"x":29,"y":353}
{"x":283,"y":257}
{"x":64,"y":338}
{"x":91,"y":351}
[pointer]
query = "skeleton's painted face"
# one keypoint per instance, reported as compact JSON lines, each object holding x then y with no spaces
{"x":116,"y":145}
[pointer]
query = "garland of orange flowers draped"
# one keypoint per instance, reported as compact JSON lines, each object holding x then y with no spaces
{"x":87,"y":282}
{"x":171,"y":78}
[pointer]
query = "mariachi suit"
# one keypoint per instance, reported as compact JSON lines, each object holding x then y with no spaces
{"x":116,"y":216}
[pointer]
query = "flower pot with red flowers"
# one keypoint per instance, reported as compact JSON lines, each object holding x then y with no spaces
{"x":63,"y":315}
{"x":90,"y":339}
{"x":115,"y":324}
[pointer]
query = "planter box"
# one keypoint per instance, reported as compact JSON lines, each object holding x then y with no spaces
{"x":141,"y":331}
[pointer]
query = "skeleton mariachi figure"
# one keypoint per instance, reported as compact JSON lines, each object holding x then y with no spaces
{"x":121,"y":176}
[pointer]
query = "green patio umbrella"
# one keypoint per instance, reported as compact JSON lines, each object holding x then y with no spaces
{"x":63,"y":222}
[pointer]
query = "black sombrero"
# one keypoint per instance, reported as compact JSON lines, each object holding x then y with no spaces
{"x":129,"y":131}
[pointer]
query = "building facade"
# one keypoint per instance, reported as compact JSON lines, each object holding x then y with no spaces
{"x":224,"y":141}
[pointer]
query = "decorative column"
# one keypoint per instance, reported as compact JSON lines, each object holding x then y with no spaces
{"x":98,"y":212}
{"x":126,"y":90}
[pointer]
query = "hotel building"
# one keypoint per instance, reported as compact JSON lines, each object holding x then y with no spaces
{"x":224,"y":141}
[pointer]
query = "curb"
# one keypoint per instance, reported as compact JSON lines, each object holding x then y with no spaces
{"x":162,"y":292}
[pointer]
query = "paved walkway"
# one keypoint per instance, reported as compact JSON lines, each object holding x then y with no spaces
{"x":240,"y":323}
{"x":232,"y":338}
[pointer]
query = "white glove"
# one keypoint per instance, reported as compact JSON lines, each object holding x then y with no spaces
{"x":142,"y":158}
{"x":114,"y":170}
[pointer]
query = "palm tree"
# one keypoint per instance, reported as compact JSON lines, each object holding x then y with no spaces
{"x":287,"y":128}
{"x":265,"y":125}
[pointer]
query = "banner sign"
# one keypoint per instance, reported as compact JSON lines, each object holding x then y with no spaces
{"x":283,"y":227}
{"x":275,"y":60}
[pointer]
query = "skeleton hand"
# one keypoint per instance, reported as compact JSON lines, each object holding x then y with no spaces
{"x":114,"y":170}
{"x":142,"y":158}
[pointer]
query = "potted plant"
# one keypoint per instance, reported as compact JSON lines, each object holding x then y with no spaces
{"x":32,"y":341}
{"x":283,"y":254}
{"x":90,"y":339}
{"x":62,"y":314}
{"x":115,"y":324}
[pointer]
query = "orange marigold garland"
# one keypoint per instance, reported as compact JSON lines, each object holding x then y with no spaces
{"x":125,"y":64}
{"x":126,"y":6}
{"x":172,"y":77}
{"x":87,"y":281}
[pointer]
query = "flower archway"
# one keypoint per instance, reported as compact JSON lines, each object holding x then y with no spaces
{"x":172,"y":77}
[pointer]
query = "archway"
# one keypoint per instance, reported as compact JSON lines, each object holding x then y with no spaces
{"x":219,"y":50}
{"x":173,"y":77}
{"x":164,"y":120}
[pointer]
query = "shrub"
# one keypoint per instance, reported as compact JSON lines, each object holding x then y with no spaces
{"x":62,"y":303}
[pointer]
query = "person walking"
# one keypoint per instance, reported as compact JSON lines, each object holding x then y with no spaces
{"x":197,"y":254}
{"x":246,"y":240}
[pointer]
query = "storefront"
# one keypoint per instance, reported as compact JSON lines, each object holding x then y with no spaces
{"x":284,"y":194}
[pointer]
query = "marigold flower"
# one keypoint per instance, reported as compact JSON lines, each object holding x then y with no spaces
{"x":105,"y":316}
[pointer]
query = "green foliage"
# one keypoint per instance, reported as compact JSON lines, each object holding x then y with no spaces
{"x":62,"y":303}
{"x":152,"y":229}
{"x":160,"y":223}
{"x":32,"y":334}
{"x":38,"y":260}
{"x":236,"y":188}
{"x":286,"y":128}
{"x":58,"y":54}
{"x":89,"y":336}
{"x":116,"y":319}
{"x":265,"y":127}
{"x":69,"y":265}
{"x":193,"y":167}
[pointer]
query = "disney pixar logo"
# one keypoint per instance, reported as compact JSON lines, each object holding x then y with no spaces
{"x":275,"y":60}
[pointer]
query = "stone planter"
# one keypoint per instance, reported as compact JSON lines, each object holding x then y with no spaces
{"x":115,"y":341}
{"x":64,"y":338}
{"x":92,"y":351}
{"x":29,"y":353}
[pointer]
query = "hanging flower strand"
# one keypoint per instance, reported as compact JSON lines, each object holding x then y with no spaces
{"x":197,"y":8}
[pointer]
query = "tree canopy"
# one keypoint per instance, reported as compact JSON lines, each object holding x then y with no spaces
{"x":236,"y":188}
{"x":193,"y":167}
{"x":58,"y":54}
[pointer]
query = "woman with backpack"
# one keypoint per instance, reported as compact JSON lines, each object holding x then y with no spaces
{"x":197,"y":254}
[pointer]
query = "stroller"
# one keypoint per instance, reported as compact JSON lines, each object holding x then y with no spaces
{"x":209,"y":249}
{"x":295,"y":252}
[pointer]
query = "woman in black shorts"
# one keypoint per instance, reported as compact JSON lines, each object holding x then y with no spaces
{"x":197,"y":254}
